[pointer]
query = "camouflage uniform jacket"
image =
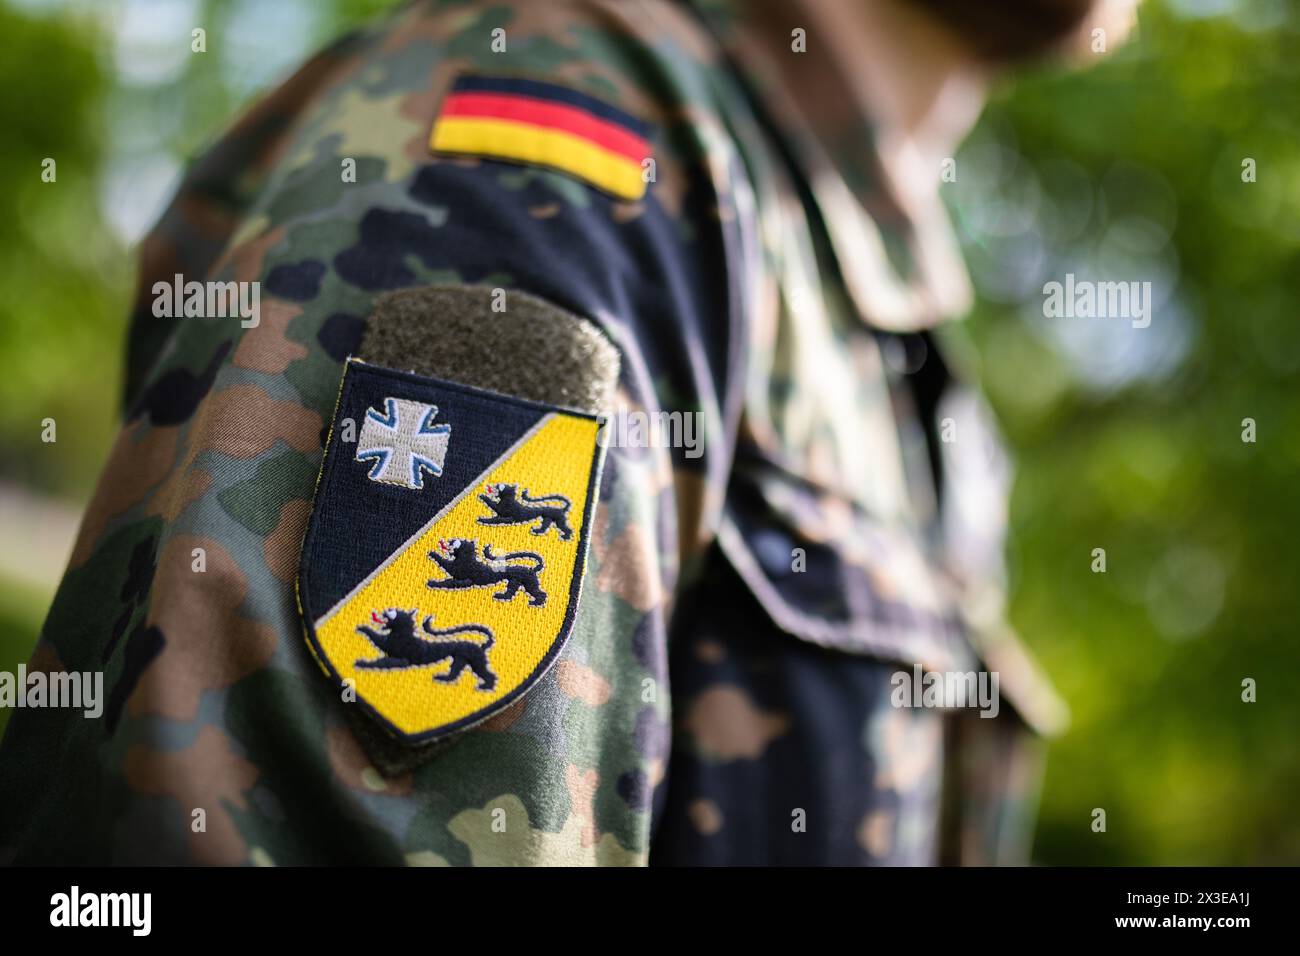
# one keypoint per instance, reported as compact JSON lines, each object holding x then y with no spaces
{"x":724,"y":694}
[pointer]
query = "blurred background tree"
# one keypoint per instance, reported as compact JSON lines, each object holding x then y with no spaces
{"x":1130,"y":439}
{"x":1126,"y":439}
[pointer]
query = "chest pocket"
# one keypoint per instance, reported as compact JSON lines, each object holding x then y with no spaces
{"x":827,"y":572}
{"x":828,"y":501}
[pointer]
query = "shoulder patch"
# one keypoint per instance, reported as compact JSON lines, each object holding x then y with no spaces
{"x":445,"y":552}
{"x":537,"y":123}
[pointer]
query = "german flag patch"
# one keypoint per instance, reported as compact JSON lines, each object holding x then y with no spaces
{"x":541,"y":124}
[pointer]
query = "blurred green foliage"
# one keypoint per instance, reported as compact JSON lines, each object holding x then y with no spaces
{"x":63,"y":275}
{"x":1137,"y":164}
{"x":1127,"y":440}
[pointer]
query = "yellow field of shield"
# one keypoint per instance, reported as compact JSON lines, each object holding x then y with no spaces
{"x":557,"y":459}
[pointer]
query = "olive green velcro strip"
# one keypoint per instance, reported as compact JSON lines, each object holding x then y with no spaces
{"x":505,"y":341}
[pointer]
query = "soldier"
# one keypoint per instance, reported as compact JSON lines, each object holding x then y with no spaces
{"x":476,"y":227}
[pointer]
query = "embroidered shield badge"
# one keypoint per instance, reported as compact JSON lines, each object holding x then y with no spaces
{"x":445,"y":552}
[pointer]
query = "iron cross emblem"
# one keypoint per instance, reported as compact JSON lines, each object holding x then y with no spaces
{"x":402,"y":443}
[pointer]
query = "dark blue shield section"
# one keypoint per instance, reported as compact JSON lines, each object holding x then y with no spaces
{"x":356,"y":522}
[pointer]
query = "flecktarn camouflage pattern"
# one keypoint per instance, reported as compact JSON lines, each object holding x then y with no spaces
{"x":722,"y":693}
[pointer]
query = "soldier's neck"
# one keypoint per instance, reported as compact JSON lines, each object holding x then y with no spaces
{"x":922,"y":89}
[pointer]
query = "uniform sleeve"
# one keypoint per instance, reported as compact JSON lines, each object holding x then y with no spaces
{"x":219,"y":741}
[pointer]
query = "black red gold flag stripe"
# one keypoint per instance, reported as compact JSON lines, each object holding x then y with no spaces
{"x":537,"y":123}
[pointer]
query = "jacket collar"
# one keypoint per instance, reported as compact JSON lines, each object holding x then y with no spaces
{"x":902,"y":267}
